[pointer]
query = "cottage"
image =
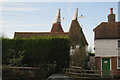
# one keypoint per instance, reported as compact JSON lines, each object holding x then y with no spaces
{"x":107,"y":46}
{"x":76,"y":35}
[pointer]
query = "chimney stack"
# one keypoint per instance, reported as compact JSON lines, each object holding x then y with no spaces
{"x":111,"y":10}
{"x":111,"y":16}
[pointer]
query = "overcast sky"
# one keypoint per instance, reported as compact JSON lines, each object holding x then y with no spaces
{"x":39,"y":16}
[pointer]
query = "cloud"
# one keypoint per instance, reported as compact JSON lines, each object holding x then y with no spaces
{"x":70,"y":4}
{"x":25,"y":4}
{"x":3,"y":8}
{"x":24,"y":25}
{"x":1,"y":22}
{"x":31,"y":25}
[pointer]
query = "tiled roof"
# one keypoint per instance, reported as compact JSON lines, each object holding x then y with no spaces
{"x":107,"y":30}
{"x":57,"y":28}
{"x":76,"y":33}
{"x":37,"y":34}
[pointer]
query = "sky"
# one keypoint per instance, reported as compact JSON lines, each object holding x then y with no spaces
{"x":39,"y":16}
{"x":59,"y":0}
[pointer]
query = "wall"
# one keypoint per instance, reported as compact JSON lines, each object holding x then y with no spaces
{"x":116,"y":72}
{"x":98,"y":63}
{"x":106,"y":47}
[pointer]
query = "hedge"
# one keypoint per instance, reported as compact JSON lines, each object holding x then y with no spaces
{"x":36,"y":52}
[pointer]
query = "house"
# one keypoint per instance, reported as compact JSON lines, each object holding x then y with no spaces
{"x":107,"y":46}
{"x":77,"y":39}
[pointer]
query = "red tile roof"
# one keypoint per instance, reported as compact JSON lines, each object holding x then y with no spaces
{"x":107,"y":30}
{"x":57,"y":28}
{"x":76,"y":33}
{"x":37,"y":34}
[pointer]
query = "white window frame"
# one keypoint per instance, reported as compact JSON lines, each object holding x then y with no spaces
{"x":77,"y":46}
{"x":118,"y":67}
{"x":118,"y":43}
{"x":72,"y":50}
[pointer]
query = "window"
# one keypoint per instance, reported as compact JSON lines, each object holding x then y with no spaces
{"x":72,"y":47}
{"x":77,"y":46}
{"x":119,"y":43}
{"x":118,"y":62}
{"x":72,"y":50}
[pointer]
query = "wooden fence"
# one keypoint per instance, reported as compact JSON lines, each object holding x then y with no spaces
{"x":21,"y":73}
{"x":25,"y":68}
{"x":74,"y":71}
{"x":78,"y":72}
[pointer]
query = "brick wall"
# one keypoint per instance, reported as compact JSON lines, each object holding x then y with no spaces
{"x":98,"y":63}
{"x":114,"y":63}
{"x":114,"y":66}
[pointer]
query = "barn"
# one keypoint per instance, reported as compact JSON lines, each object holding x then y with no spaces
{"x":78,"y":41}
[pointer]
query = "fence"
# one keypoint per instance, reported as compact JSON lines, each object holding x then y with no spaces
{"x":78,"y":72}
{"x":27,"y":68}
{"x":22,"y":73}
{"x":74,"y":71}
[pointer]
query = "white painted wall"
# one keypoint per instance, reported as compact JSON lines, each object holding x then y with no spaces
{"x":106,"y":47}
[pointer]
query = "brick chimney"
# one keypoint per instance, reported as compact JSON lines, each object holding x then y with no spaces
{"x":111,"y":16}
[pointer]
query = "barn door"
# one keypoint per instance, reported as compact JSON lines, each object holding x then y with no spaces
{"x":106,"y":67}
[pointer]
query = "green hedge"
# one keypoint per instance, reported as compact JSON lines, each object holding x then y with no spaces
{"x":38,"y":52}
